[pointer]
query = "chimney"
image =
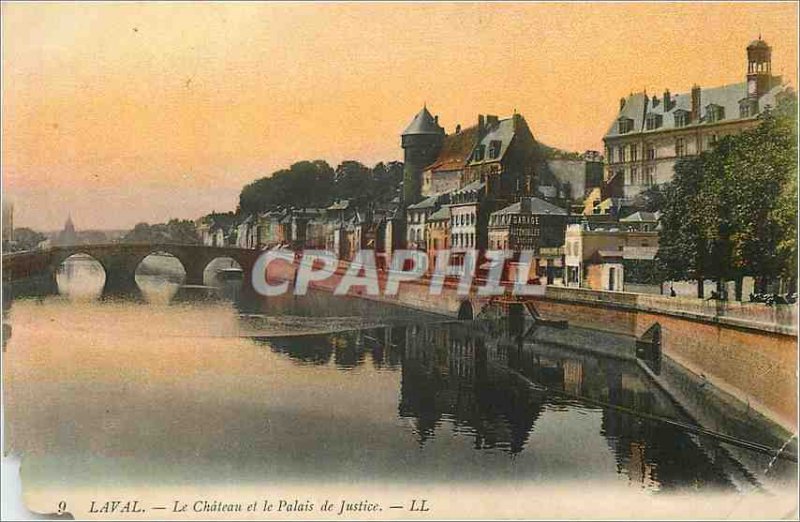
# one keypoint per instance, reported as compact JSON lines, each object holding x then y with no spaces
{"x":436,"y":119}
{"x":695,"y":103}
{"x":621,"y":103}
{"x":491,"y":120}
{"x":458,"y":129}
{"x":667,"y":101}
{"x":654,"y":101}
{"x":517,"y":121}
{"x":481,"y":124}
{"x":525,"y":205}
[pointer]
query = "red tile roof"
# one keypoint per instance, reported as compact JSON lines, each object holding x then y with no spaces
{"x":455,"y":151}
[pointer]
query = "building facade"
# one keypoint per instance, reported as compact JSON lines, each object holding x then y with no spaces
{"x":535,"y":225}
{"x":438,"y":232}
{"x":594,"y":255}
{"x":651,"y":133}
{"x":416,"y":218}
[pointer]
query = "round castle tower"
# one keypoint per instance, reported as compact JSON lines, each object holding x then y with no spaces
{"x":421,"y":143}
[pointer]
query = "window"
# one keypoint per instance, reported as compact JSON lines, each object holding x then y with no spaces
{"x":651,"y":152}
{"x":621,"y":154}
{"x":681,"y":118}
{"x":680,"y":147}
{"x":634,"y":175}
{"x":652,"y":121}
{"x":625,"y":125}
{"x":744,"y":110}
{"x":494,"y":149}
{"x":649,"y":176}
{"x":714,"y":113}
{"x":634,"y":152}
{"x":480,"y":152}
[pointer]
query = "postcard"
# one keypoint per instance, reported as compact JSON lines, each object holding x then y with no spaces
{"x":399,"y":261}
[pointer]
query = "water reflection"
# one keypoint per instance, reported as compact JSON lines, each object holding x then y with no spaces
{"x":81,"y":277}
{"x":159,"y":277}
{"x":403,"y":395}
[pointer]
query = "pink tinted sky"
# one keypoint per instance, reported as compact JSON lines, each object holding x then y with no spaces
{"x":141,"y":112}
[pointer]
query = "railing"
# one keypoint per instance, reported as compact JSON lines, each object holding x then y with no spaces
{"x":779,"y":318}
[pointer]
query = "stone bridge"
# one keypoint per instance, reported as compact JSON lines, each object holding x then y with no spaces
{"x":120,"y":260}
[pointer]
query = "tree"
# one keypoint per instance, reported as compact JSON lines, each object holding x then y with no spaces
{"x":304,"y":184}
{"x":763,"y":169}
{"x":653,"y":198}
{"x":683,"y":251}
{"x":731,"y":212}
{"x":174,"y":231}
{"x":25,"y":239}
{"x":315,"y":184}
{"x":355,"y":182}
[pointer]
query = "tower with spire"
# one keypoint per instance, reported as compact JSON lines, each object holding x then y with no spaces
{"x":421,"y":142}
{"x":68,"y":236}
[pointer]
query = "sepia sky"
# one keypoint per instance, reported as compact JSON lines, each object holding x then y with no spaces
{"x":140,"y":112}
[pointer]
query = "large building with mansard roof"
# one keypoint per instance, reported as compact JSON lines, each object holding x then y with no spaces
{"x":650,"y":133}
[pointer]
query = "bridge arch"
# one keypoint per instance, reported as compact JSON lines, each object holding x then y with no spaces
{"x":63,"y":273}
{"x":466,"y":311}
{"x":61,"y":257}
{"x":142,"y":268}
{"x":220,"y":262}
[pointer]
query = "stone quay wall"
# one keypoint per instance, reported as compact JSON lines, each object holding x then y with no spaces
{"x":747,"y":350}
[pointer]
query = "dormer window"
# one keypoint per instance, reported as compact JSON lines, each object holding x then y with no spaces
{"x":748,"y":108}
{"x":625,"y":125}
{"x":652,"y":121}
{"x":682,"y":118}
{"x":714,"y":113}
{"x":494,"y":149}
{"x":480,"y":152}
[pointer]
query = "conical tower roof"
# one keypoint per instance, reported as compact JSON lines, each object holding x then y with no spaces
{"x":423,"y":123}
{"x":68,"y":225}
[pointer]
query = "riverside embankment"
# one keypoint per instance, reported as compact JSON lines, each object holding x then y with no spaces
{"x":742,"y":354}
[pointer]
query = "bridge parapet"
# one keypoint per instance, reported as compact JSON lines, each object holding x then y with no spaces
{"x":119,"y":260}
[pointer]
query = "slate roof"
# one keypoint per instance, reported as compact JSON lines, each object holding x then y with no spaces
{"x":641,"y":216}
{"x":538,"y":206}
{"x":425,"y":203}
{"x":456,"y":150}
{"x":639,"y":105}
{"x":502,"y":131}
{"x":475,"y":186}
{"x":443,"y":214}
{"x":423,"y":123}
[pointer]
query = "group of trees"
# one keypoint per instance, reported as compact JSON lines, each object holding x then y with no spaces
{"x":316,"y":184}
{"x":731,"y":211}
{"x":24,"y":239}
{"x":174,"y":231}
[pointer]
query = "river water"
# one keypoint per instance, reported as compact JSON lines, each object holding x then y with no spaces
{"x":186,"y":386}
